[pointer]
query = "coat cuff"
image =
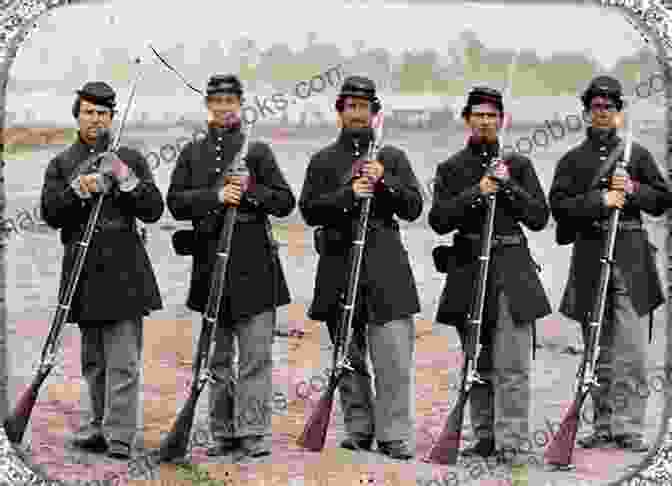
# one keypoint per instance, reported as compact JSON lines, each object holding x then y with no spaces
{"x":473,"y":197}
{"x":258,"y":195}
{"x":595,"y":203}
{"x":390,"y":184}
{"x":345,"y":198}
{"x":130,"y":182}
{"x":515,"y":193}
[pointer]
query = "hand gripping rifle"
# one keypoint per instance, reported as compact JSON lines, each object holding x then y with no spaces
{"x":176,"y":442}
{"x":15,"y":424}
{"x":559,"y":451}
{"x":315,"y":432}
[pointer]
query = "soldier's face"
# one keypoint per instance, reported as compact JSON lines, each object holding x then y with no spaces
{"x":603,"y":113}
{"x":485,"y":121}
{"x":219,"y":106}
{"x":356,"y":113}
{"x":92,"y":117}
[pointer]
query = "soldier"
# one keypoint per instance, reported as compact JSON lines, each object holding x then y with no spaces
{"x":198,"y":193}
{"x":387,"y":295}
{"x":581,"y":207}
{"x":515,"y":297}
{"x":117,"y":287}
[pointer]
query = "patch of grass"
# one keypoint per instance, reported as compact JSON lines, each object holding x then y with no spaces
{"x":198,"y":475}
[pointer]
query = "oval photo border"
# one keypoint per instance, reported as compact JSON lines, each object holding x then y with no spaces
{"x":649,"y":17}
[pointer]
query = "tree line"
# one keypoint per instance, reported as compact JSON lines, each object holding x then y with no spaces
{"x":424,"y":71}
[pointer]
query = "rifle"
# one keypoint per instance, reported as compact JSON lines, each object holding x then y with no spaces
{"x":315,"y":432}
{"x":176,"y":442}
{"x":448,"y":444}
{"x":15,"y":424}
{"x":559,"y":451}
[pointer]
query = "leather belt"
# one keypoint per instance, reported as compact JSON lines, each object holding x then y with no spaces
{"x":115,"y":225}
{"x":249,"y":217}
{"x":635,"y":225}
{"x":376,"y":223}
{"x":497,"y":240}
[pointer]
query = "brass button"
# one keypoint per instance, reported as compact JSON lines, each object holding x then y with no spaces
{"x":218,"y":158}
{"x":604,"y":157}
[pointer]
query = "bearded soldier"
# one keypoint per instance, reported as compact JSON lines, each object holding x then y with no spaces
{"x":117,"y":286}
{"x":387,"y":296}
{"x":198,"y":193}
{"x":581,"y":202}
{"x":514,"y":297}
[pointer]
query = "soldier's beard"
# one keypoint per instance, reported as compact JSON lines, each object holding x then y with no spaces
{"x":484,"y":136}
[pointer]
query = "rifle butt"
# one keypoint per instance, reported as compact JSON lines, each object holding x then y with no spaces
{"x":315,"y":432}
{"x":560,"y":450}
{"x":177,"y":441}
{"x":17,"y":421}
{"x":447,"y":446}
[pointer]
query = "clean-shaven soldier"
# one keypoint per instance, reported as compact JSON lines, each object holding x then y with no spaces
{"x":387,"y":298}
{"x":514,"y":297}
{"x":247,"y":312}
{"x":581,"y":206}
{"x":117,"y":287}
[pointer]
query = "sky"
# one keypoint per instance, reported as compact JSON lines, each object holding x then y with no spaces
{"x":604,"y":33}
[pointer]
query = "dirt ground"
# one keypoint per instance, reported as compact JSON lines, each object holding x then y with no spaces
{"x":300,"y":352}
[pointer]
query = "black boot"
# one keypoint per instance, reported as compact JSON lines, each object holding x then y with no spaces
{"x":600,"y":438}
{"x":396,"y":449}
{"x":223,"y":447}
{"x":358,"y":442}
{"x":483,"y":448}
{"x":90,"y":438}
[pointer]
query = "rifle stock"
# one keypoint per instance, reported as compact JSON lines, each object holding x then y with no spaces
{"x":177,"y":441}
{"x":15,"y":423}
{"x":448,"y":443}
{"x":315,"y":432}
{"x":559,"y":451}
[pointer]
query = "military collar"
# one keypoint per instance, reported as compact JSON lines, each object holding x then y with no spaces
{"x":83,"y":147}
{"x":479,"y":147}
{"x":602,"y":137}
{"x":217,"y":134}
{"x":349,"y":138}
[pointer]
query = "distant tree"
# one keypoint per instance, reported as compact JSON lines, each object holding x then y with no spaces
{"x":566,"y":73}
{"x":627,"y":73}
{"x":473,"y":53}
{"x":373,"y":63}
{"x":319,"y":55}
{"x":274,"y":64}
{"x":528,"y":59}
{"x":417,"y":70}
